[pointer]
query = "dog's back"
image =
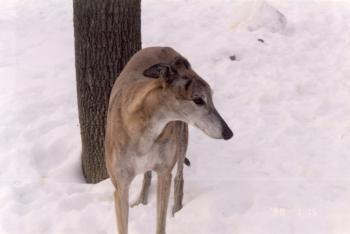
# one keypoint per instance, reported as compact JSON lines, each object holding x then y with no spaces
{"x":133,"y":70}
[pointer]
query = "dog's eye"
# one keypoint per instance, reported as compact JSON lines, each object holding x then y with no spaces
{"x":198,"y":101}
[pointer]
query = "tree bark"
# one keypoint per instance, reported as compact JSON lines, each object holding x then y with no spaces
{"x":107,"y":33}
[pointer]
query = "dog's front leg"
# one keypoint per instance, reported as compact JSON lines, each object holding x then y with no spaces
{"x":121,"y":199}
{"x":181,"y":155}
{"x":178,"y":187}
{"x":163,"y":190}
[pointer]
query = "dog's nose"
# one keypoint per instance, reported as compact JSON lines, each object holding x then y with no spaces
{"x":227,"y":133}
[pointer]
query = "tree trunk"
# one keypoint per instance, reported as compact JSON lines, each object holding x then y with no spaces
{"x":107,"y":33}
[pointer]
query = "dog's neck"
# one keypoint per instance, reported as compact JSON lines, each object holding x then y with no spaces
{"x":147,"y":119}
{"x":153,"y":130}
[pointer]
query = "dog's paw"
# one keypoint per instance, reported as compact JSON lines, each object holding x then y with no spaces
{"x":138,"y":202}
{"x":176,"y":208}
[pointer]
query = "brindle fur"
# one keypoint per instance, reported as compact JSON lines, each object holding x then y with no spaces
{"x":149,"y":108}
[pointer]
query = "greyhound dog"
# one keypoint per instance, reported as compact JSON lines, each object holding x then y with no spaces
{"x":154,"y":98}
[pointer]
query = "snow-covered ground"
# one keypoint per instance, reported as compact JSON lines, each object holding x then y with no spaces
{"x":286,"y":171}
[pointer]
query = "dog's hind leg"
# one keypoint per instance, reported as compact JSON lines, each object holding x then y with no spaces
{"x":179,"y":180}
{"x":143,"y":197}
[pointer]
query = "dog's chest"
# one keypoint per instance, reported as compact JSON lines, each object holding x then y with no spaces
{"x":157,"y":157}
{"x":145,"y":162}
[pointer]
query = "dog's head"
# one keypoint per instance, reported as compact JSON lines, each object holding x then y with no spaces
{"x":189,"y":97}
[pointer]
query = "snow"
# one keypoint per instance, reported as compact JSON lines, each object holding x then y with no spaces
{"x":286,"y":98}
{"x":256,"y":14}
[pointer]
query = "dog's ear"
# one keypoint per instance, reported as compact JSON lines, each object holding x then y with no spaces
{"x":156,"y":70}
{"x":180,"y":63}
{"x":161,"y":70}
